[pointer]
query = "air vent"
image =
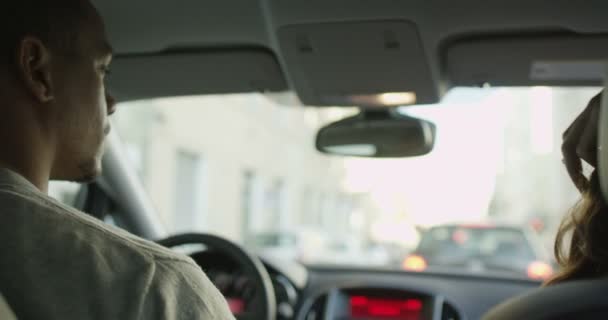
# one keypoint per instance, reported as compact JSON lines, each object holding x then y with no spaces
{"x":449,"y":313}
{"x":317,"y":310}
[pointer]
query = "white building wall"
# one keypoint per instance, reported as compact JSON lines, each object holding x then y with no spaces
{"x":234,"y":134}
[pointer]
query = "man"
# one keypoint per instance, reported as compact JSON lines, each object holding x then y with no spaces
{"x":55,"y":262}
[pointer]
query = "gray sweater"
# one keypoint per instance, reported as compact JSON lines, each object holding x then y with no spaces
{"x":58,"y":263}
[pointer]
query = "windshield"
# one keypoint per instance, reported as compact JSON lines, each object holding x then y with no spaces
{"x":487,"y":200}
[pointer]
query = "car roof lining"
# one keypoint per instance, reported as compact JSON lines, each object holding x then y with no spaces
{"x":161,"y":27}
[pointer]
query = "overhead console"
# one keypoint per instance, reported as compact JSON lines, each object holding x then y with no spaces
{"x":563,"y":59}
{"x":368,"y":63}
{"x":378,"y":304}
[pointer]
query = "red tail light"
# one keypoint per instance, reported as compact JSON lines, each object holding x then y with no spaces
{"x":414,"y":262}
{"x":539,"y":270}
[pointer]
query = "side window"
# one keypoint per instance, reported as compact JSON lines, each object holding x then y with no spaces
{"x":65,"y":192}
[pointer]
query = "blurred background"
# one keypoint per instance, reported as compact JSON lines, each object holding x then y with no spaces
{"x":245,"y":167}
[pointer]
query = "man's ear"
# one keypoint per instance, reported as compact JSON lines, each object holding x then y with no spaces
{"x":34,"y":67}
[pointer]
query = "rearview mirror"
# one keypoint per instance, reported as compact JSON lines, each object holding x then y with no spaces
{"x":377,"y":134}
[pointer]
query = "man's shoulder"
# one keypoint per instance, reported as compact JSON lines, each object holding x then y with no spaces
{"x":58,"y":220}
{"x":43,"y":236}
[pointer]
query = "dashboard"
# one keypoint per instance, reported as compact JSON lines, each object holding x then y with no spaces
{"x":366,"y":303}
{"x":317,"y":293}
{"x":440,"y":296}
{"x":239,"y":290}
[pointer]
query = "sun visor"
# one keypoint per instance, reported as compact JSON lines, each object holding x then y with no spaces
{"x":358,"y":63}
{"x":209,"y":72}
{"x":556,"y":60}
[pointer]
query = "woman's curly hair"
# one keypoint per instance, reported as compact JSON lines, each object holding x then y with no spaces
{"x":586,"y":229}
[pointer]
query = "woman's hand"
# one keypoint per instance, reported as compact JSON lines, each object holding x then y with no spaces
{"x":580,"y":142}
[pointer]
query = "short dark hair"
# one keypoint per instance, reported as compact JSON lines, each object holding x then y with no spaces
{"x":55,"y":22}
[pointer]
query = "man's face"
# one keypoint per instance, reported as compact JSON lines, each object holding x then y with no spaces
{"x":81,"y":104}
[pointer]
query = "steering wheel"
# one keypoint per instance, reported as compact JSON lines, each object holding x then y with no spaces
{"x":263,"y":304}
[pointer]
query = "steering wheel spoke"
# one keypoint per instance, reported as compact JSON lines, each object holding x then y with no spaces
{"x":264,"y":307}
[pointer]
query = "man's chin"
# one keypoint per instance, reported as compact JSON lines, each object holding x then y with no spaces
{"x":85,"y":173}
{"x":88,"y":173}
{"x":87,"y":178}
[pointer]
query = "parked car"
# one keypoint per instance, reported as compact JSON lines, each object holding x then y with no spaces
{"x":312,"y":247}
{"x":304,"y":246}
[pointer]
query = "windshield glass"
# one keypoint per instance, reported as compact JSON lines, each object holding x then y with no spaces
{"x":487,"y":200}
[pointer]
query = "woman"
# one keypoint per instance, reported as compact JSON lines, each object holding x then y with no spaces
{"x":586,"y":227}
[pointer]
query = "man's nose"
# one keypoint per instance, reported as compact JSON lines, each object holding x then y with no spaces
{"x":111,"y":103}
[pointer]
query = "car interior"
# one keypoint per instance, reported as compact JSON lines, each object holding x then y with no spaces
{"x":374,"y":55}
